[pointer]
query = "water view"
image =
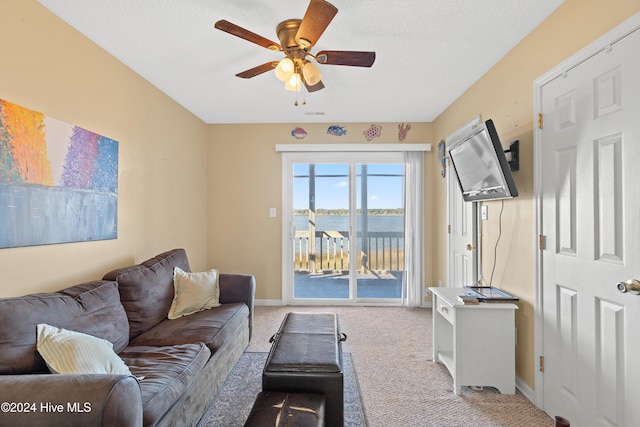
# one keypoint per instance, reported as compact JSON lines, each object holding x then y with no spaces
{"x":341,"y":222}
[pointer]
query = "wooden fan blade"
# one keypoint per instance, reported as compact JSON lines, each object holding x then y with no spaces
{"x":316,"y":19}
{"x":255,"y":71}
{"x":238,"y":31}
{"x":316,"y":87}
{"x":346,"y":57}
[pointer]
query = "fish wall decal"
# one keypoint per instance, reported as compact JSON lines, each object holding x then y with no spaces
{"x":336,"y":130}
{"x":298,"y":133}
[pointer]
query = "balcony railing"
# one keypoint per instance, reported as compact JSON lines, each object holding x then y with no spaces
{"x":382,"y":252}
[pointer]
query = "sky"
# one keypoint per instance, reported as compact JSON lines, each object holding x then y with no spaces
{"x":332,"y":192}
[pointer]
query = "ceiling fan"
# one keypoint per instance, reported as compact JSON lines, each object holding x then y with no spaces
{"x":297,"y":37}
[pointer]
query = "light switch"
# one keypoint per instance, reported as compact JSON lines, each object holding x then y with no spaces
{"x":272,"y":212}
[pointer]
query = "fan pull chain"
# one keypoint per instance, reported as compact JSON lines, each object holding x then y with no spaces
{"x":297,"y":90}
{"x":304,"y":101}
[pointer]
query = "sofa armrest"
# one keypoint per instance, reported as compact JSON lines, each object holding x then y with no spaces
{"x":238,"y":288}
{"x":70,"y":400}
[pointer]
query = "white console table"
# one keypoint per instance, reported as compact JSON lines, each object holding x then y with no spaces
{"x":475,"y":342}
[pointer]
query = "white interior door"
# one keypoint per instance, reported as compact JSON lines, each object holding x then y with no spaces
{"x":462,"y":251}
{"x":590,"y":206}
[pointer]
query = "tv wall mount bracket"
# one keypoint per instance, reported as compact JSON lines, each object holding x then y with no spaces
{"x":514,"y":155}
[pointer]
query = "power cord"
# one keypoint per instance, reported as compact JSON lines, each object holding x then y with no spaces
{"x":495,"y":249}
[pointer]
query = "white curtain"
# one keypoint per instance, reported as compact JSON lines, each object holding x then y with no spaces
{"x":413,"y":229}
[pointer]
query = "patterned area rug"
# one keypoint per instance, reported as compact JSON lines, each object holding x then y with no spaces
{"x":231,"y":406}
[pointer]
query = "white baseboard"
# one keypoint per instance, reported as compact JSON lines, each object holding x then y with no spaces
{"x":278,"y":303}
{"x":268,"y":302}
{"x":524,"y":388}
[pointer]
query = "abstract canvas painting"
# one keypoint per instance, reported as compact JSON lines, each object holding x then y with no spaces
{"x":58,"y":182}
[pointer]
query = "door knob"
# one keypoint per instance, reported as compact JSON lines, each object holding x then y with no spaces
{"x":631,"y":285}
{"x":470,"y":247}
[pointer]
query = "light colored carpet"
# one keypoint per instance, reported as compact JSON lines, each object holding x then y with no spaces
{"x":399,"y":383}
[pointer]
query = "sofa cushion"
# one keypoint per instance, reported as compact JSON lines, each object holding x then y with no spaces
{"x":92,"y":308}
{"x":146,"y":289}
{"x":193,"y":292}
{"x":212,"y":327}
{"x":70,"y":352}
{"x":166,"y":372}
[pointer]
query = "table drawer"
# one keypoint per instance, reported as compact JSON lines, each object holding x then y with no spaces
{"x":445,"y":309}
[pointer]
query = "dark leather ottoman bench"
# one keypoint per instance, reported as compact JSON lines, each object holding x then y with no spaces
{"x":306,"y":357}
{"x":275,"y":408}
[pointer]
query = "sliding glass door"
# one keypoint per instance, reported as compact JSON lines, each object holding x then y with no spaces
{"x":380,"y":224}
{"x":346,"y":229}
{"x":321,"y":212}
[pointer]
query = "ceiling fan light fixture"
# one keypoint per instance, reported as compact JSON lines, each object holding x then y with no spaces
{"x":284,"y":69}
{"x":311,"y":73}
{"x":297,"y":37}
{"x":293,"y":83}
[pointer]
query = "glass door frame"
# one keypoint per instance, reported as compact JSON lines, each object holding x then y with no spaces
{"x":288,"y":231}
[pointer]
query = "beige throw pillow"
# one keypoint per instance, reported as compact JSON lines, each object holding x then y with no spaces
{"x":70,"y":352}
{"x":194,"y":292}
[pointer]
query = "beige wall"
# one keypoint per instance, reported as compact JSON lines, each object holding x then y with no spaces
{"x":505,"y":94}
{"x":245,"y":175}
{"x":47,"y":66}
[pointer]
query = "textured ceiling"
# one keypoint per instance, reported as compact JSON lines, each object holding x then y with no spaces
{"x":428,"y":52}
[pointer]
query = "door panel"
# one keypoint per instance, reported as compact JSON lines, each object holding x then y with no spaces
{"x":380,"y":244}
{"x":591,"y":217}
{"x":462,"y":241}
{"x":322,"y":220}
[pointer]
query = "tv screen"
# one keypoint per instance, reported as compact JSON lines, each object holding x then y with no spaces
{"x":481,"y":166}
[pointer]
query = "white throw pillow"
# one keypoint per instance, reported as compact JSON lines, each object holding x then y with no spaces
{"x":194,"y":292}
{"x":70,"y":352}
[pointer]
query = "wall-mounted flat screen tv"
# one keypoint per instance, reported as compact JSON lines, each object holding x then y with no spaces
{"x":481,"y":165}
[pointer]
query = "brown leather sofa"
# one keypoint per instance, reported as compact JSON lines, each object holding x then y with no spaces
{"x":177,"y":366}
